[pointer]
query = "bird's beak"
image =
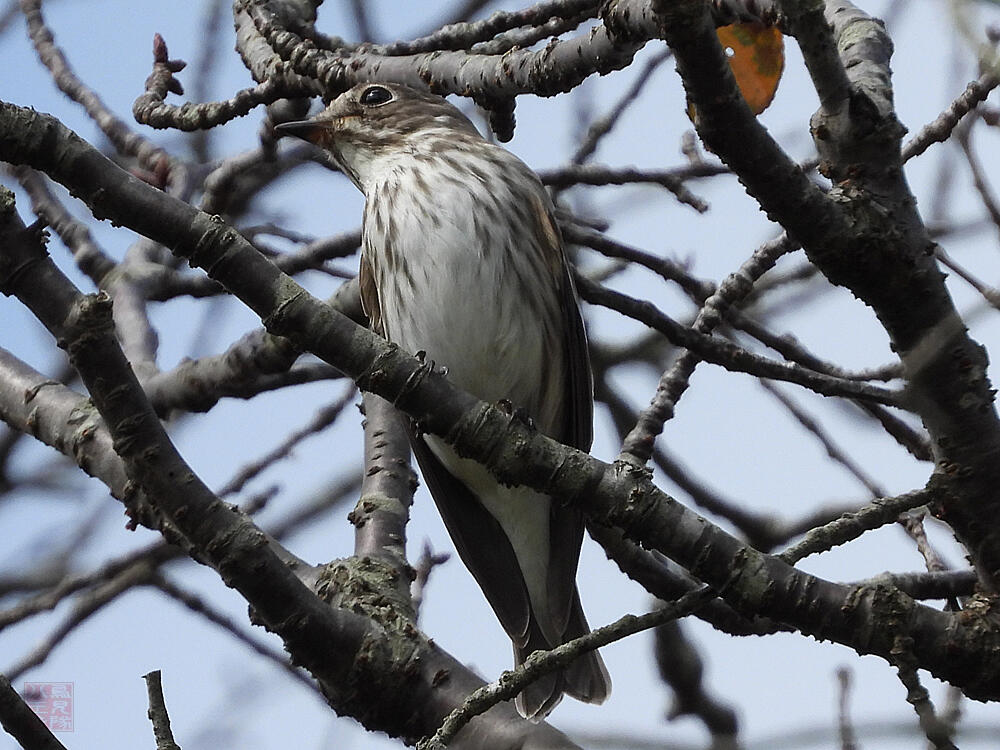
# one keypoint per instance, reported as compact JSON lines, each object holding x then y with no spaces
{"x":307,"y":130}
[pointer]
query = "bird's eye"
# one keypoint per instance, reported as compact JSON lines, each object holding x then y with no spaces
{"x":373,"y":96}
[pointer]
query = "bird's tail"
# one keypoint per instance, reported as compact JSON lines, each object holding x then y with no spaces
{"x":586,"y":678}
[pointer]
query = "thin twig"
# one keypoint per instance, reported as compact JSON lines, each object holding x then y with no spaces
{"x":940,"y":129}
{"x":852,"y":525}
{"x":199,"y":606}
{"x":826,"y":440}
{"x":543,"y":662}
{"x":158,"y":712}
{"x":848,"y":738}
{"x":321,"y":419}
{"x":938,"y":733}
{"x":639,"y":443}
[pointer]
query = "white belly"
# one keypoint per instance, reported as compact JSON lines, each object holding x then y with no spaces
{"x":464,"y":299}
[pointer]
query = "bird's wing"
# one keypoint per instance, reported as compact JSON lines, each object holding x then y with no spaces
{"x":369,"y":296}
{"x":579,"y":421}
{"x":586,"y":678}
{"x":481,"y":543}
{"x":576,"y":425}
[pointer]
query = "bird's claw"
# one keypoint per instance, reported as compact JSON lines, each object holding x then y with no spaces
{"x":430,"y":364}
{"x":516,"y":412}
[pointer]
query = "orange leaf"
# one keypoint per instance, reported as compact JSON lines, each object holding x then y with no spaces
{"x":757,"y":57}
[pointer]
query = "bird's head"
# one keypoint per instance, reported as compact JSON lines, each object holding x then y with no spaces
{"x":374,"y":121}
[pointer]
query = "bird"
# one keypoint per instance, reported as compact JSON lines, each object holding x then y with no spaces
{"x":462,"y":259}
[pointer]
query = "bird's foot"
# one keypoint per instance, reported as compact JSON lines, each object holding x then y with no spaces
{"x":516,"y":412}
{"x":430,"y":364}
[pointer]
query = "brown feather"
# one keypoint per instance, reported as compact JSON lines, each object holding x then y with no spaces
{"x":575,"y":428}
{"x":369,"y":296}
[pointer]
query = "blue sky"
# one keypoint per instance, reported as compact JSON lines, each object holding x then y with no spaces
{"x":727,"y":429}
